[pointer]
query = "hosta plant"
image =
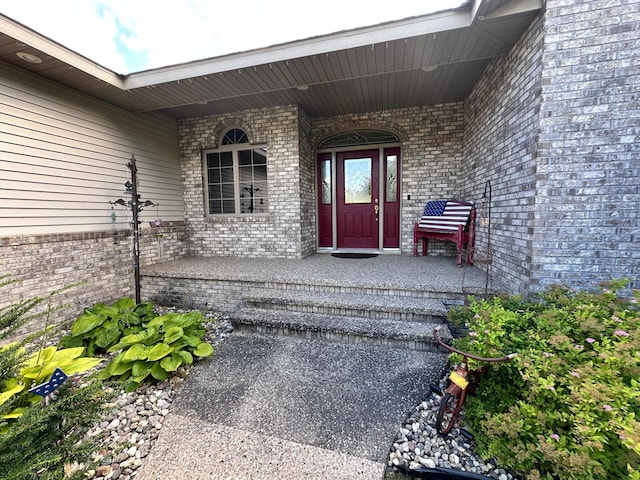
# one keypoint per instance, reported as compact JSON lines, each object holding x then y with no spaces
{"x":568,"y":406}
{"x":102,"y":326}
{"x":164,"y":344}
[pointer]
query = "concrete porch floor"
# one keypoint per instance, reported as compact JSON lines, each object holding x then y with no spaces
{"x":400,"y":272}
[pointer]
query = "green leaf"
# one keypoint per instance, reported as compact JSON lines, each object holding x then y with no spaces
{"x":141,"y":369}
{"x":135,"y":352}
{"x":171,"y":363}
{"x":158,"y":372}
{"x":105,"y":338}
{"x":63,"y":355}
{"x":105,"y":373}
{"x":186,"y":356}
{"x":15,"y":413}
{"x":129,"y":318}
{"x":46,"y":354}
{"x":4,"y":396}
{"x":67,"y":359}
{"x":203,"y":350}
{"x":125,"y":303}
{"x":193,"y":341}
{"x":103,"y":310}
{"x":173,"y":334}
{"x":131,"y":386}
{"x":85,"y":323}
{"x":79,"y":365}
{"x":159,"y":351}
{"x":127,"y":341}
{"x":70,"y":341}
{"x":91,"y":349}
{"x":118,"y":366}
{"x":111,"y":324}
{"x":144,"y":309}
{"x":183,"y":320}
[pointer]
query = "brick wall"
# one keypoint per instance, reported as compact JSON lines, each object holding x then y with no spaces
{"x":307,"y":187}
{"x":431,"y":159}
{"x":102,"y":261}
{"x":277,"y":234}
{"x":431,"y":156}
{"x":588,"y":195}
{"x":501,"y":128}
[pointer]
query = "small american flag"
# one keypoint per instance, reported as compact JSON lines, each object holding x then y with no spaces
{"x":445,"y":215}
{"x":47,"y":388}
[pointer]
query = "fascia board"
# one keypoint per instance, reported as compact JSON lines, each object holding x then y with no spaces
{"x":387,"y":32}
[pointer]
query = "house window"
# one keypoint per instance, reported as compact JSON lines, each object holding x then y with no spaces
{"x":236,"y":177}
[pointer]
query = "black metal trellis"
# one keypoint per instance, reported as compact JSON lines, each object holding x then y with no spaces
{"x":136,"y":207}
{"x":485,"y":255}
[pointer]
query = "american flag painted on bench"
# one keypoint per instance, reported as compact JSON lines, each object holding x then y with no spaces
{"x":445,"y":215}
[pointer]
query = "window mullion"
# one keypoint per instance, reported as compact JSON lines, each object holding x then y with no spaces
{"x":236,"y":182}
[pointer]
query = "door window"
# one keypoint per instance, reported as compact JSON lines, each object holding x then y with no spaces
{"x":357,"y":180}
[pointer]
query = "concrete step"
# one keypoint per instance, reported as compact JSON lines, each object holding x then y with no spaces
{"x":371,"y":305}
{"x":400,"y":334}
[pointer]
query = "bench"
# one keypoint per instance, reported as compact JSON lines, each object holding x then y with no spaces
{"x":448,"y":220}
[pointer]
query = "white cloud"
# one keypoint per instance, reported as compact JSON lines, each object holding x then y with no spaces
{"x":126,"y":35}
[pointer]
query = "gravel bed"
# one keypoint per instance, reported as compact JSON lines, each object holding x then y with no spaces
{"x":418,"y":445}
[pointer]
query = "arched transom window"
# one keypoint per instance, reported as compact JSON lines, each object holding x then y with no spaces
{"x":236,"y":176}
{"x":360,"y":137}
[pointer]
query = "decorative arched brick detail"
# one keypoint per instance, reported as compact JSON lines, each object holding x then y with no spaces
{"x":229,"y":123}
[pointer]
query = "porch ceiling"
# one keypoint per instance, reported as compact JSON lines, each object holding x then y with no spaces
{"x":423,"y":60}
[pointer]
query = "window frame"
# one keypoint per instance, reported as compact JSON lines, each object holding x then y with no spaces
{"x":237,"y":182}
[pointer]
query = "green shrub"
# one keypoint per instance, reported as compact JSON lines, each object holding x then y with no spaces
{"x":568,"y":406}
{"x":162,"y":346}
{"x":44,"y":442}
{"x":102,"y":326}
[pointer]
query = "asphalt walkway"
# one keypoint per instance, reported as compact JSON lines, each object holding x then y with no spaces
{"x":289,"y":408}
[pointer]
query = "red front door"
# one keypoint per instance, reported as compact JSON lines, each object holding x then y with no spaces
{"x":358,"y":199}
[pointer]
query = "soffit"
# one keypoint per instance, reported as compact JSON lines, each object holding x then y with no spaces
{"x":374,"y":68}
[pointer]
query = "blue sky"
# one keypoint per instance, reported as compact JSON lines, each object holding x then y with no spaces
{"x":133,"y":35}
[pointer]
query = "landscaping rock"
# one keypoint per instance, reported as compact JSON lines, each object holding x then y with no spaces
{"x":432,"y":450}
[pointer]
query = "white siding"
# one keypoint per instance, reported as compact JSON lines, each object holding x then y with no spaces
{"x":63,"y":157}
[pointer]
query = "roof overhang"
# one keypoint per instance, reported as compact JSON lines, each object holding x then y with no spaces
{"x":423,"y":60}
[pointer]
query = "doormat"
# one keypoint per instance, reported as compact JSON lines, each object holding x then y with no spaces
{"x":354,"y":255}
